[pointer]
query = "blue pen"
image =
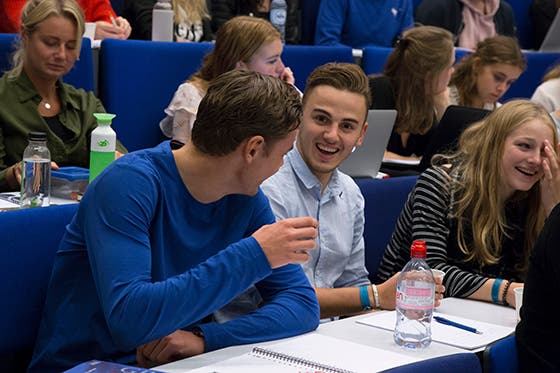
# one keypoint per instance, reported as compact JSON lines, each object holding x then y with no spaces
{"x":445,"y":321}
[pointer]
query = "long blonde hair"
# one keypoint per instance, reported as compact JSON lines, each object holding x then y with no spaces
{"x":196,"y":11}
{"x":236,"y":40}
{"x":36,"y":11}
{"x":418,"y":58}
{"x":477,"y":178}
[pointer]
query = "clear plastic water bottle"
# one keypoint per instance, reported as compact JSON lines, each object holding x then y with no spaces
{"x":415,"y":301}
{"x":278,"y":15}
{"x":103,"y":143}
{"x":162,"y":21}
{"x":36,"y":172}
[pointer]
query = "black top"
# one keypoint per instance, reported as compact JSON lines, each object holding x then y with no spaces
{"x":223,"y":10}
{"x":383,"y":97}
{"x":537,"y":332}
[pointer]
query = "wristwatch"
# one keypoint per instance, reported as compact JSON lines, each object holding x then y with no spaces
{"x":198,"y":332}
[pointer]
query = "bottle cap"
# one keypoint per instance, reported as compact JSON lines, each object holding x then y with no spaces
{"x":37,"y":136}
{"x":418,"y":249}
{"x":104,"y":118}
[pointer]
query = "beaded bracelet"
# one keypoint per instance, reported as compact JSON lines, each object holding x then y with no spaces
{"x":375,"y":297}
{"x":504,"y":293}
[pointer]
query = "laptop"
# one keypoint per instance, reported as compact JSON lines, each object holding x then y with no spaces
{"x":551,"y":42}
{"x":446,"y":136}
{"x":365,"y":160}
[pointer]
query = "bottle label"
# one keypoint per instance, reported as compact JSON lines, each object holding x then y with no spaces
{"x":103,"y":145}
{"x":416,"y":295}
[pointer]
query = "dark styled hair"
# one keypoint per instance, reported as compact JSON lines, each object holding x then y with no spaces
{"x":343,"y":76}
{"x":240,"y":104}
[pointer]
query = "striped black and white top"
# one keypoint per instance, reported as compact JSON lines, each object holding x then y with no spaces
{"x":427,"y":216}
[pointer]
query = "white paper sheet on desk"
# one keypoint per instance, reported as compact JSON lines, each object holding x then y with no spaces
{"x":345,"y":355}
{"x":446,"y":334}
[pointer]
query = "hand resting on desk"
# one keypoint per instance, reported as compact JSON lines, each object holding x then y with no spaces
{"x":177,"y":345}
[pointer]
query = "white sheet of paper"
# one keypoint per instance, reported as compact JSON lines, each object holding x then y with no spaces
{"x":446,"y":334}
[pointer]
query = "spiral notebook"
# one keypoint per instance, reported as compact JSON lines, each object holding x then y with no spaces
{"x":311,"y":353}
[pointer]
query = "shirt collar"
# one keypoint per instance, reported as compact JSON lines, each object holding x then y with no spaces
{"x":308,"y":179}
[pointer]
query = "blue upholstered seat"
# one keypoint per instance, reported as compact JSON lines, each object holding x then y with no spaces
{"x":304,"y":59}
{"x":30,"y":239}
{"x":501,"y":356}
{"x":384,"y":199}
{"x":137,"y":80}
{"x":462,"y":362}
{"x":80,"y":76}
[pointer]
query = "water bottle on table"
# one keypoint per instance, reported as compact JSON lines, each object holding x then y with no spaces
{"x":278,"y":15}
{"x":36,"y":172}
{"x":415,"y":301}
{"x":162,"y":21}
{"x":103,"y":144}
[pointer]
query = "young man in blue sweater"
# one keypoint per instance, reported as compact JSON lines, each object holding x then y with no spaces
{"x":362,"y":23}
{"x":163,"y":238}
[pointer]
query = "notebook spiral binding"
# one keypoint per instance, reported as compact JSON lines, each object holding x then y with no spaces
{"x":295,"y":361}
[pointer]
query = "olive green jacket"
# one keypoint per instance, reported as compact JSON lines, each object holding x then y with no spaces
{"x":19,"y":116}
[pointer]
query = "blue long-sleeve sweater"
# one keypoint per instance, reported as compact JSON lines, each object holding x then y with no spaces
{"x":362,"y":23}
{"x":142,"y":259}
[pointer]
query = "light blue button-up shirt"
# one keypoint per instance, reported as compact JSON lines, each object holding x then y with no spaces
{"x":338,"y":259}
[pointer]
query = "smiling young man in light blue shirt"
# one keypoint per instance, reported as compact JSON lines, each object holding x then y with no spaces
{"x":335,"y":102}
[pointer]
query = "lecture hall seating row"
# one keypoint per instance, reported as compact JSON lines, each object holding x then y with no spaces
{"x":137,"y":79}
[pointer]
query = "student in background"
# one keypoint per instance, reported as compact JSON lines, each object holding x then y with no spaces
{"x":191,"y":19}
{"x":362,"y":23}
{"x":224,"y":10}
{"x":471,"y":21}
{"x":482,"y":77}
{"x":414,"y":82}
{"x":107,"y":24}
{"x":335,"y":102}
{"x":480,"y":210}
{"x":536,"y":335}
{"x":33,"y":96}
{"x":548,"y":93}
{"x":165,"y":237}
{"x":246,"y":43}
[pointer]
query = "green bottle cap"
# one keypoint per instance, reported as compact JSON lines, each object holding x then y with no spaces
{"x":104,"y":118}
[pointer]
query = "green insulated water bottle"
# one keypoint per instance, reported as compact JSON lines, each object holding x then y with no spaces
{"x":103,"y":141}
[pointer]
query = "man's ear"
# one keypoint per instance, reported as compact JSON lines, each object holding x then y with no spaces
{"x":362,"y":135}
{"x":252,"y":147}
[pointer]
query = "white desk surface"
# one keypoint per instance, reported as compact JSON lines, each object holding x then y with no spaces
{"x":348,"y":329}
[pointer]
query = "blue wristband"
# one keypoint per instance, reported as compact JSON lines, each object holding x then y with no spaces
{"x":364,"y":298}
{"x":496,"y":290}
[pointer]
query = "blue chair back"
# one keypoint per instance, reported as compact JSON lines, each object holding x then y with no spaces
{"x":30,"y":239}
{"x":137,"y":80}
{"x":501,"y":356}
{"x":462,"y":362}
{"x":384,"y":200}
{"x":309,"y":11}
{"x":523,"y":23}
{"x":81,"y":74}
{"x":304,"y":59}
{"x":538,"y":63}
{"x":374,"y":58}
